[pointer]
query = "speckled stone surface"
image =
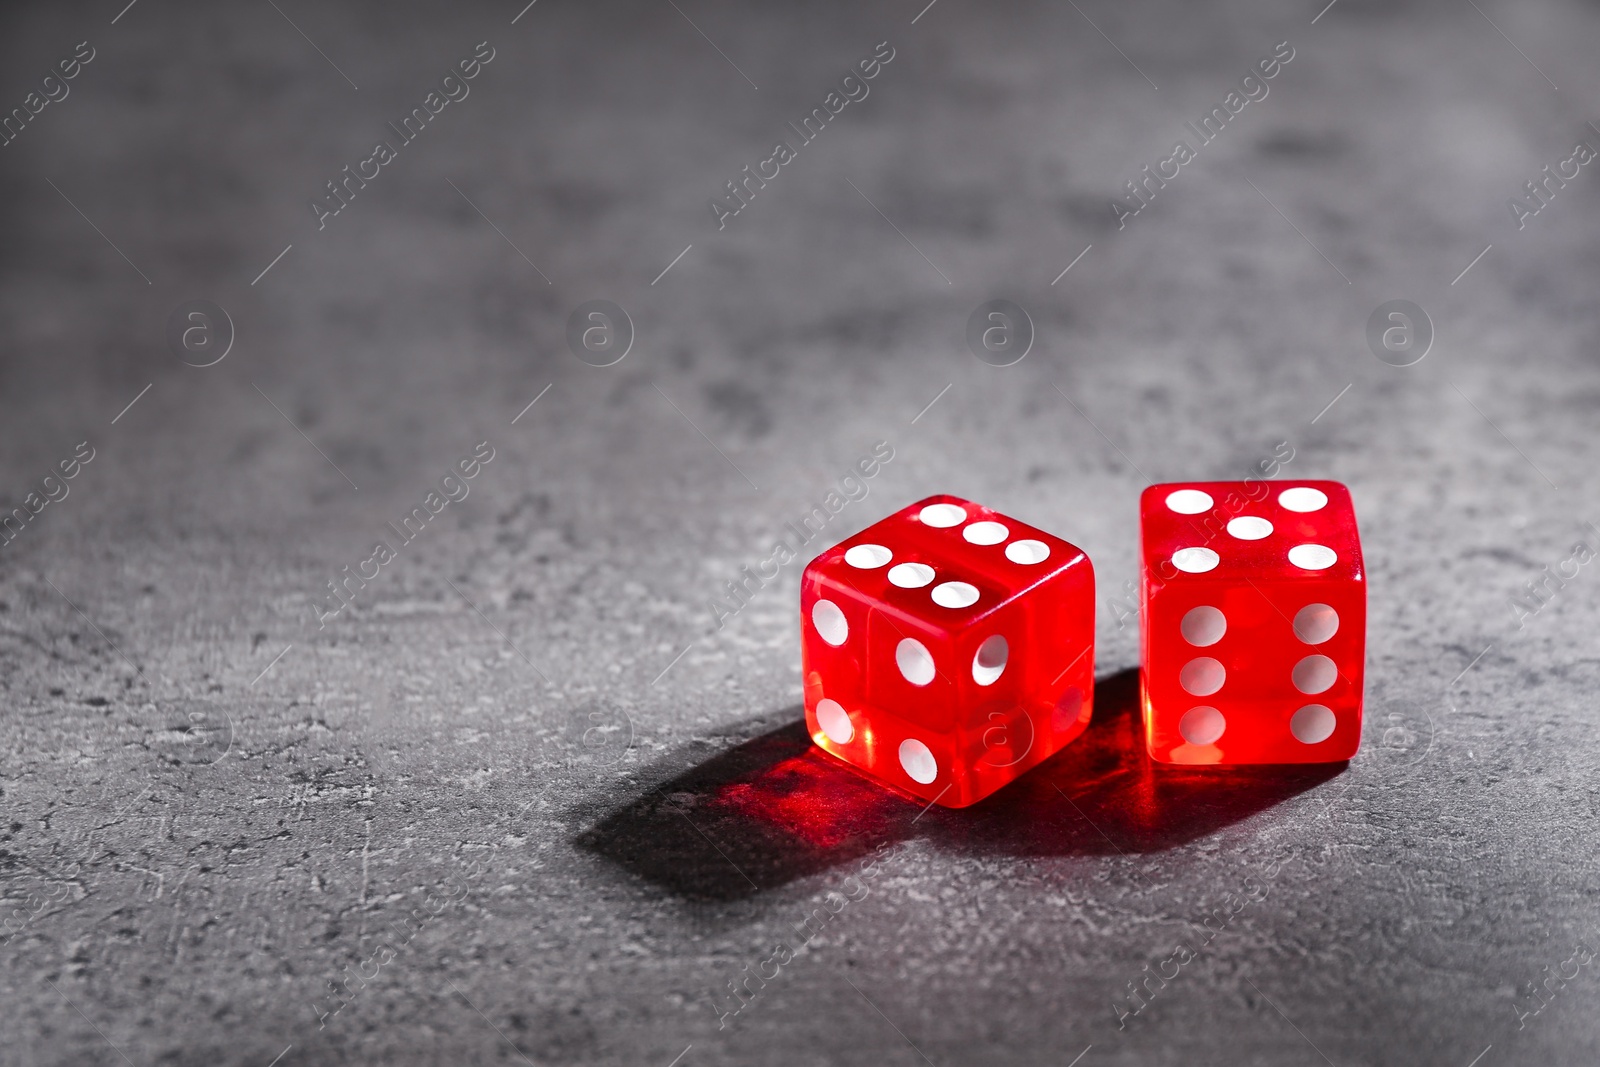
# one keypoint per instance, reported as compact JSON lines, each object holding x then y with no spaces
{"x":522,"y":800}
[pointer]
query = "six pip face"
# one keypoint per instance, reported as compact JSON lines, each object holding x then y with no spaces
{"x":1253,"y":622}
{"x":949,"y":648}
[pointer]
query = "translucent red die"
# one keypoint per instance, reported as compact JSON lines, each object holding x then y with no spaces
{"x":947,"y":649}
{"x":1253,"y":622}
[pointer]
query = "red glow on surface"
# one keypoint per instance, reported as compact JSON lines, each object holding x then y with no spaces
{"x":811,"y":797}
{"x":776,"y":807}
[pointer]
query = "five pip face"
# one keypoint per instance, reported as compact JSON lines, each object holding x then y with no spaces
{"x":948,"y":648}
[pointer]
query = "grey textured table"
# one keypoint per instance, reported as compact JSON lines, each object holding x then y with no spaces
{"x":523,"y":800}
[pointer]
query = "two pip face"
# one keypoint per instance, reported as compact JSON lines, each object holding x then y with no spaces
{"x":948,"y":648}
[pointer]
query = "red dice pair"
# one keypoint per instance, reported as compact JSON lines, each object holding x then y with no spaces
{"x":948,"y":648}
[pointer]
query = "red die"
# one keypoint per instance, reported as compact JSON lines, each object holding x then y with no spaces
{"x":948,"y":649}
{"x":1253,"y":622}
